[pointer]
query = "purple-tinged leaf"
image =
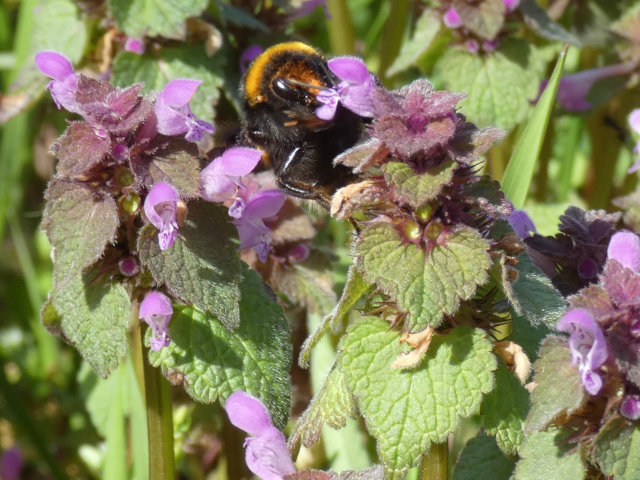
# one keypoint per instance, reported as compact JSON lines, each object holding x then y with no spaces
{"x":485,"y":18}
{"x":79,"y":150}
{"x":622,"y":285}
{"x":169,"y":160}
{"x":625,"y":346}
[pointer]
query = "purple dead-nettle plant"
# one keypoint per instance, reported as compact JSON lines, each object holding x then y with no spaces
{"x":156,"y":310}
{"x":267,"y":455}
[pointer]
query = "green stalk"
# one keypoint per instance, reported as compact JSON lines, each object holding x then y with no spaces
{"x":604,"y":155}
{"x":342,"y":38}
{"x":392,"y":36}
{"x":159,"y":424}
{"x":435,"y":463}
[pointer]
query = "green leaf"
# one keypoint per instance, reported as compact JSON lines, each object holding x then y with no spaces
{"x":505,"y":409}
{"x":481,"y":459}
{"x":519,"y":172}
{"x":239,"y":17}
{"x":152,"y":18}
{"x":543,"y":456}
{"x":353,"y":290}
{"x":332,"y":406}
{"x":185,"y":61}
{"x":202,"y":266}
{"x":426,"y":288}
{"x":483,"y":18}
{"x":424,"y":32}
{"x":538,"y":19}
{"x":94,"y":318}
{"x":416,"y":189}
{"x":500,"y":85}
{"x":551,"y":397}
{"x":57,"y":26}
{"x":79,"y":223}
{"x":213,"y":362}
{"x":617,"y":449}
{"x":532,"y":294}
{"x":406,"y":411}
{"x":528,"y":336}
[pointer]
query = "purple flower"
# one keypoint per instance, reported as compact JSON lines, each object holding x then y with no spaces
{"x":452,"y":18}
{"x":354,"y":91}
{"x":156,"y":310}
{"x":249,"y":220}
{"x":587,"y":344}
{"x":220,"y":180}
{"x":160,"y":207}
{"x":11,"y":464}
{"x":630,"y":407}
{"x":573,"y":89}
{"x":267,"y":455}
{"x":65,"y":82}
{"x":634,"y":123}
{"x":135,"y":45}
{"x":472,"y":46}
{"x":511,"y":5}
{"x":174,"y":114}
{"x":490,"y":45}
{"x":521,"y":223}
{"x":625,"y":248}
{"x":248,"y":56}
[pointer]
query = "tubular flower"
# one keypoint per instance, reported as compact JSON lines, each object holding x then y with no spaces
{"x":174,"y":114}
{"x":65,"y":82}
{"x":220,"y":180}
{"x":452,"y":18}
{"x":266,"y":450}
{"x":625,"y":248}
{"x":160,"y":207}
{"x":587,"y":344}
{"x":354,"y":91}
{"x":156,"y":310}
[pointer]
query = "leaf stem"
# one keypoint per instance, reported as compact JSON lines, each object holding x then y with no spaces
{"x":342,"y":38}
{"x":159,"y":424}
{"x":435,"y":463}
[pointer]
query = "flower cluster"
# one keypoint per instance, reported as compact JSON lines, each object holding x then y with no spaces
{"x":604,"y":326}
{"x":222,"y":181}
{"x":474,"y":35}
{"x":574,"y":257}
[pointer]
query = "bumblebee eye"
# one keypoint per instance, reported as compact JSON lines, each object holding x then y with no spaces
{"x":285,"y":90}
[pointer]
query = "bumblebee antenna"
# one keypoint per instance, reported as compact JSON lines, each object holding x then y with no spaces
{"x":291,"y":81}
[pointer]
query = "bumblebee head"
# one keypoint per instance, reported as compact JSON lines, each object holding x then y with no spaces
{"x":287,"y":77}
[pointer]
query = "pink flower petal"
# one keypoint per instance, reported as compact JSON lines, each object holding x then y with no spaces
{"x":54,"y":65}
{"x":178,"y":92}
{"x":268,"y":457}
{"x":452,"y":18}
{"x":350,"y":69}
{"x":625,"y":248}
{"x":634,"y":120}
{"x":264,"y":204}
{"x":248,"y":413}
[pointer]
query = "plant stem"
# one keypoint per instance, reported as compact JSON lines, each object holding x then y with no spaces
{"x":392,"y":35}
{"x":342,"y":38}
{"x":159,"y":424}
{"x":435,"y":463}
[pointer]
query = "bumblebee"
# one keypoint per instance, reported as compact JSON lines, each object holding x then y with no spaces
{"x":279,"y":91}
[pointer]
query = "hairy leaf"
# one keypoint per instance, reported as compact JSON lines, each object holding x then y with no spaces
{"x":414,"y":188}
{"x":139,"y":18}
{"x":617,"y":449}
{"x":499,"y":86}
{"x":550,"y":397}
{"x":406,"y":411}
{"x":79,"y":150}
{"x":426,"y":288}
{"x":483,"y":18}
{"x":79,"y":222}
{"x":332,"y":405}
{"x":505,"y":409}
{"x":212,"y":362}
{"x":424,"y":32}
{"x":202,"y":266}
{"x":544,"y":456}
{"x":481,"y":459}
